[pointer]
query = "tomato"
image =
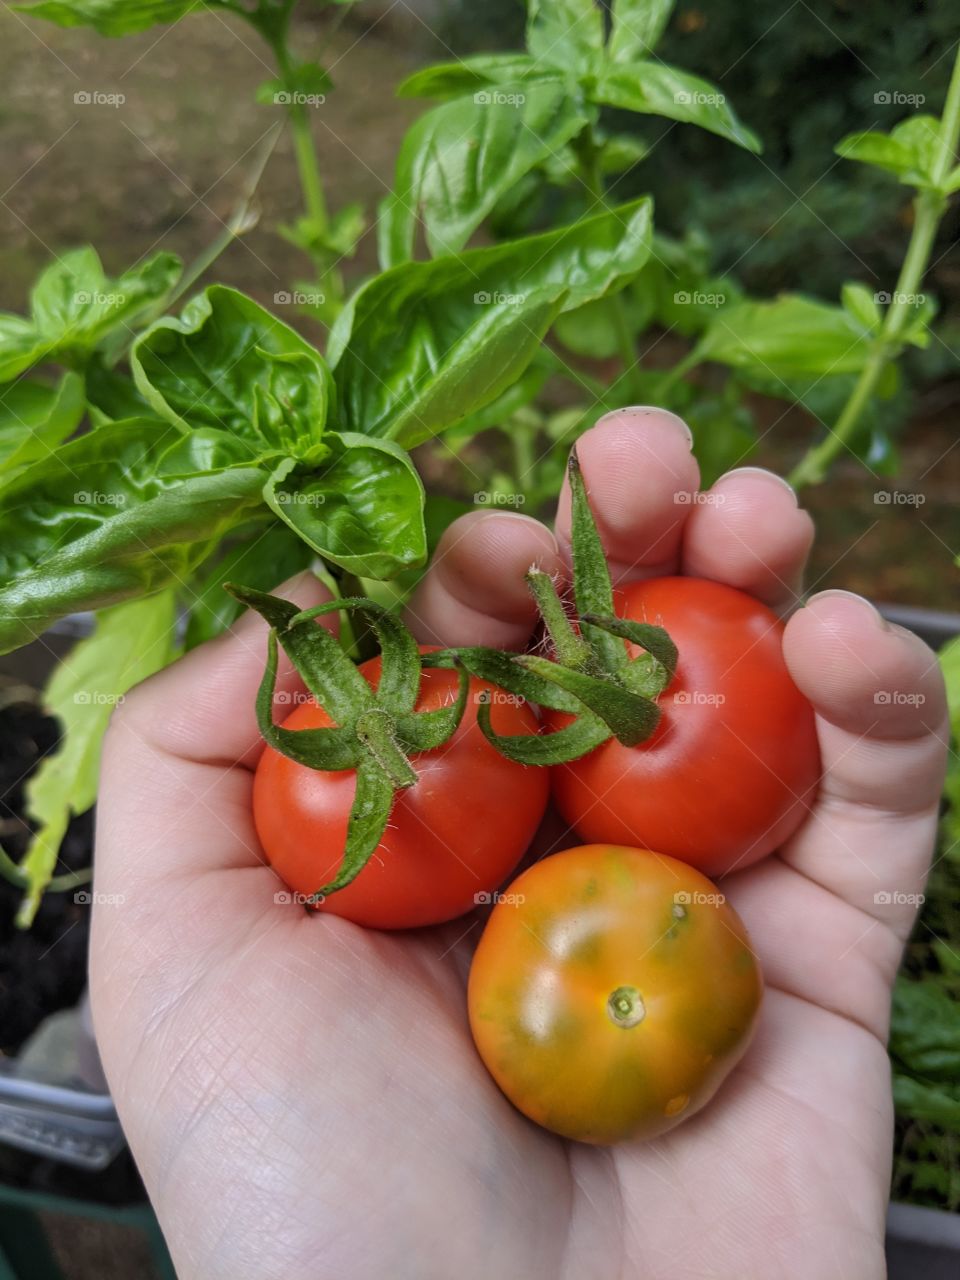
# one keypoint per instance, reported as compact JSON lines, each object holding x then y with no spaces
{"x":457,"y":832}
{"x":731,"y":769}
{"x":612,"y":992}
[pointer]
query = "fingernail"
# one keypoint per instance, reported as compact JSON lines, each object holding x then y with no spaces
{"x":839,"y":593}
{"x":763,"y":474}
{"x":641,"y":411}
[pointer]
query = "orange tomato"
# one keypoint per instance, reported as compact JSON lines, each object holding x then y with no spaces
{"x":612,"y":992}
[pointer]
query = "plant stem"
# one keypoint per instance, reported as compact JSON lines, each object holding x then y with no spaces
{"x":673,"y":376}
{"x":929,"y":207}
{"x":593,"y":180}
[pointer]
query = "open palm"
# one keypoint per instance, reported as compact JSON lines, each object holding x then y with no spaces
{"x":303,"y":1096}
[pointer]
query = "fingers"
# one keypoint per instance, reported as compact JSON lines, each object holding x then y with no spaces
{"x":748,"y":532}
{"x":638,"y":469}
{"x":173,"y":800}
{"x":474,"y":591}
{"x":881,"y":714}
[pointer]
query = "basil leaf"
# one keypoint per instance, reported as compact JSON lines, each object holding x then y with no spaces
{"x":129,"y":643}
{"x":75,"y":305}
{"x":100,"y":521}
{"x":451,"y":79}
{"x":424,"y":344}
{"x":37,"y":416}
{"x":362,"y":508}
{"x":460,"y":158}
{"x":229,"y":364}
{"x":565,"y":33}
{"x":112,"y":17}
{"x":637,"y":27}
{"x":268,"y":556}
{"x":653,"y":88}
{"x":861,"y":304}
{"x":908,"y":151}
{"x":111,"y":394}
{"x":790,"y":335}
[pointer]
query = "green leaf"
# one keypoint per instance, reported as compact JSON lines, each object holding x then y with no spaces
{"x":75,"y":306}
{"x":102,"y":520}
{"x":637,"y":28}
{"x":791,"y":335}
{"x":113,"y":17}
{"x":460,"y":158}
{"x":592,"y":329}
{"x":565,"y":33}
{"x":129,"y":643}
{"x":36,"y":416}
{"x":451,"y":79}
{"x":268,"y":556}
{"x":860,"y":303}
{"x":229,"y":364}
{"x":425,"y":344}
{"x":920,"y":1101}
{"x":908,"y":151}
{"x":362,"y":508}
{"x":925,"y":1030}
{"x":112,"y":394}
{"x":653,"y":88}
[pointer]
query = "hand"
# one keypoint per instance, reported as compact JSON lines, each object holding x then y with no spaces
{"x":303,"y":1097}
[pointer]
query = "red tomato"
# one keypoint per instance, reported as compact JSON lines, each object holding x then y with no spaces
{"x":458,"y":832}
{"x":730,"y":770}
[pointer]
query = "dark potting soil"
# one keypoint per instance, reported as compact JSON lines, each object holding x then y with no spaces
{"x":42,"y":969}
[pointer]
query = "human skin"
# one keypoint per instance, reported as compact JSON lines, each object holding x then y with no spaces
{"x":303,"y":1097}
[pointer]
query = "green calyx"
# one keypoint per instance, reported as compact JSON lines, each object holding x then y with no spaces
{"x":374,"y":732}
{"x":591,"y":675}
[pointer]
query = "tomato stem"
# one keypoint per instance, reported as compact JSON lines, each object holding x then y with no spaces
{"x":376,"y":730}
{"x":571,"y":649}
{"x":625,"y":1007}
